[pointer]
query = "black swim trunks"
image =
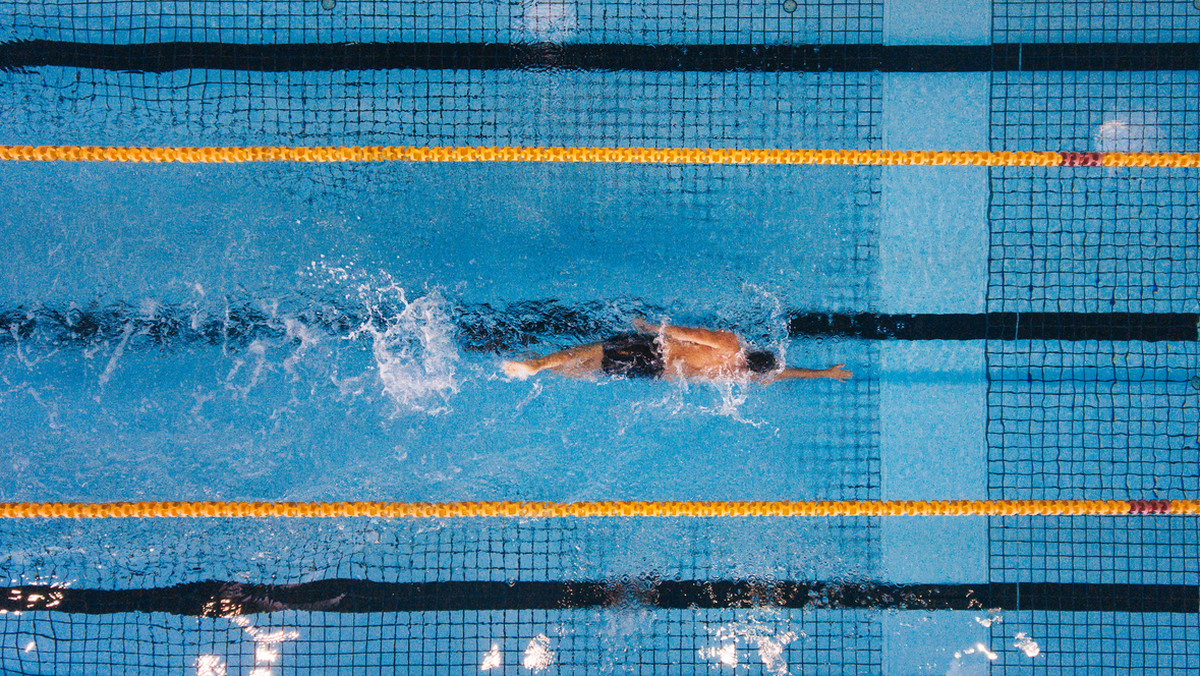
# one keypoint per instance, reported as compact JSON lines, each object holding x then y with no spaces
{"x":633,"y":355}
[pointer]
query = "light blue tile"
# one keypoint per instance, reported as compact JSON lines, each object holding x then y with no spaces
{"x":933,"y":243}
{"x":934,"y":549}
{"x":935,"y":644}
{"x":936,"y":111}
{"x":932,"y":421}
{"x":937,"y":22}
{"x":933,"y":447}
{"x":933,"y":240}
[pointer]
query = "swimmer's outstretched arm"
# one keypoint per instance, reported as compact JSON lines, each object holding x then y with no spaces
{"x":835,"y":372}
{"x":722,"y":340}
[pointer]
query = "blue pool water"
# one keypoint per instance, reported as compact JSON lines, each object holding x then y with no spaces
{"x":283,"y":332}
{"x":387,"y":403}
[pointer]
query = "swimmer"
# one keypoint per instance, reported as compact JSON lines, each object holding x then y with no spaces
{"x":666,"y":351}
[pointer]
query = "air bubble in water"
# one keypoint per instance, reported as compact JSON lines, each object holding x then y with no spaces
{"x":328,"y":4}
{"x":790,"y":6}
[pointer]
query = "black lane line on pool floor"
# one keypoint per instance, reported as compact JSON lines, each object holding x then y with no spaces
{"x":170,"y":56}
{"x":1068,"y":326}
{"x":515,"y":326}
{"x":360,"y":596}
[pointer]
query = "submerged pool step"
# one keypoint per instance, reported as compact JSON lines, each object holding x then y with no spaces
{"x":1070,"y":326}
{"x":216,"y":598}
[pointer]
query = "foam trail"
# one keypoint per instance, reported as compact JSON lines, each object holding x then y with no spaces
{"x":297,"y":330}
{"x":111,"y":367}
{"x":257,"y":351}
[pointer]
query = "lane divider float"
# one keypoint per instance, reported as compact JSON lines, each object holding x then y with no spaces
{"x":977,"y":158}
{"x":600,"y":509}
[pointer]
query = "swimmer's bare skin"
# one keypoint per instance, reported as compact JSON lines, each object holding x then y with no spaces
{"x":687,"y":353}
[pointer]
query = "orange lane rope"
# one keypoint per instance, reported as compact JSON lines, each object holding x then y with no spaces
{"x":110,"y":510}
{"x":979,"y":158}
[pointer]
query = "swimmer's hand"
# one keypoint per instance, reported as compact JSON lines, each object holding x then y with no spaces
{"x":838,"y":373}
{"x":518,"y":369}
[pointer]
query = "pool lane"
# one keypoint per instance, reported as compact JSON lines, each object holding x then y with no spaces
{"x":380,"y":400}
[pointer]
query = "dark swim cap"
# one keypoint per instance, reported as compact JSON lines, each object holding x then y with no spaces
{"x":760,"y":361}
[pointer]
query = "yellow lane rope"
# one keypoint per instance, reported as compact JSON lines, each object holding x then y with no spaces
{"x":596,"y":155}
{"x":109,"y":510}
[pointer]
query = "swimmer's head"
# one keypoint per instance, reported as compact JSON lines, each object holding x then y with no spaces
{"x":761,"y":361}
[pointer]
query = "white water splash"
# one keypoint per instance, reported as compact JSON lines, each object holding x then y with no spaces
{"x":265,"y":654}
{"x":266,"y":644}
{"x":538,"y":655}
{"x":680,"y":399}
{"x":725,"y":654}
{"x":990,"y":620}
{"x":977,"y":648}
{"x":1027,"y":645}
{"x":261,"y":637}
{"x":734,"y":394}
{"x":412,"y":343}
{"x":777,"y":319}
{"x":767,"y":642}
{"x":210,"y":665}
{"x":491,"y":660}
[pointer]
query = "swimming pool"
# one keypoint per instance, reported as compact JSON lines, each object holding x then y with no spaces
{"x":323,"y":332}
